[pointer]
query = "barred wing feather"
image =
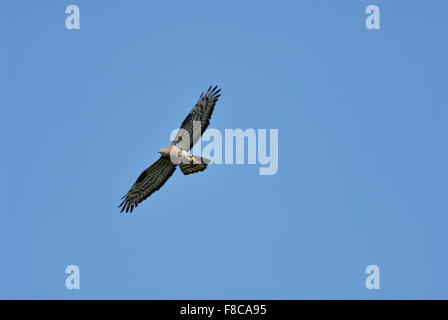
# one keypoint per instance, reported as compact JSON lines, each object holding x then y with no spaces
{"x":149,"y":181}
{"x":200,"y":114}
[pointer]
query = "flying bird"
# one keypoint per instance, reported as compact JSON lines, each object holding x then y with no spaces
{"x":155,"y":176}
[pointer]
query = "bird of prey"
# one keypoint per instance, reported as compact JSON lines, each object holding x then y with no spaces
{"x":154,"y":177}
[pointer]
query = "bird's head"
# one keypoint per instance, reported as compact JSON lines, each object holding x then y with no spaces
{"x":163,"y":151}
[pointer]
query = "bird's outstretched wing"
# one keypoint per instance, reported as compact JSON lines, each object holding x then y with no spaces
{"x":149,"y":181}
{"x":200,"y":114}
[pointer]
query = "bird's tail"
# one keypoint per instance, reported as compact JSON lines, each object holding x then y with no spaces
{"x":196,"y":164}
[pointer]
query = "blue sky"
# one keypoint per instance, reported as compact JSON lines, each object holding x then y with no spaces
{"x":362,"y":179}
